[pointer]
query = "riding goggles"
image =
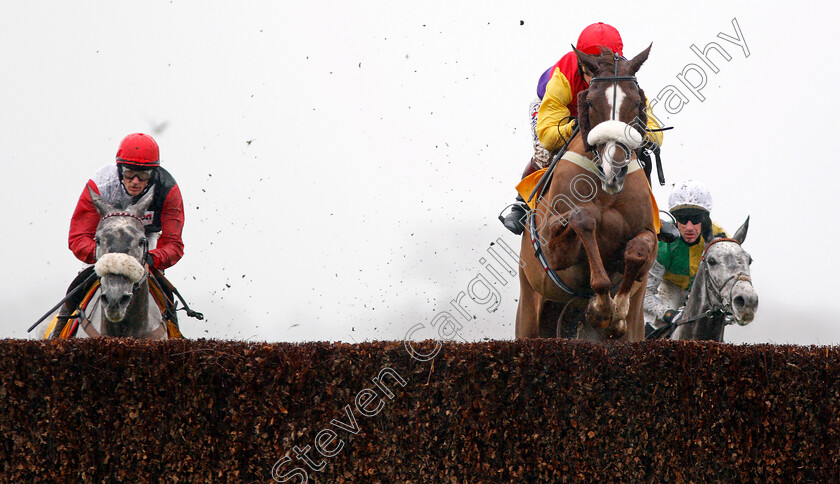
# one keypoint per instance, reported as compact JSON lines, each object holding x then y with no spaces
{"x":144,"y":175}
{"x":693,"y":216}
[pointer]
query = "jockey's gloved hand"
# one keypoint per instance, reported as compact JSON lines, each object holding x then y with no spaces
{"x":671,"y":316}
{"x":150,"y":261}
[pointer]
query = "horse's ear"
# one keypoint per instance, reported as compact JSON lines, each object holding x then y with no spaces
{"x":588,"y":61}
{"x":636,"y":62}
{"x":103,"y":207}
{"x":142,"y":204}
{"x":741,"y":233}
{"x":583,"y":118}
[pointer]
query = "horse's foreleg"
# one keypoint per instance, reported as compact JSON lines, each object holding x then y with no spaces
{"x":527,"y":313}
{"x":600,"y":310}
{"x":638,"y":259}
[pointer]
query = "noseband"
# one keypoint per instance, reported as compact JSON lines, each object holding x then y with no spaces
{"x":722,"y":307}
{"x":725,"y":306}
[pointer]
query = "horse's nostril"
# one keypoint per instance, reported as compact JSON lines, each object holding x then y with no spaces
{"x":739,"y":302}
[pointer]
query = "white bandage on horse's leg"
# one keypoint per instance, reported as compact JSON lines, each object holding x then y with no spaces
{"x":615,"y":131}
{"x":122,"y":264}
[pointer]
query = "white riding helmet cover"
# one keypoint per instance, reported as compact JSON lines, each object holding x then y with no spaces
{"x":690,"y":194}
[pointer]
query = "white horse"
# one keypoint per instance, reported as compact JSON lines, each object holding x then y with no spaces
{"x":123,"y":293}
{"x":722,"y":292}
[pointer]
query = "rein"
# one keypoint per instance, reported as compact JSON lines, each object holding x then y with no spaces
{"x":721,"y":306}
{"x":555,"y":278}
{"x":543,"y":183}
{"x":541,"y":186}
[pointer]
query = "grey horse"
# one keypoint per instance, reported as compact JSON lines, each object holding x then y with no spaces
{"x":121,"y":248}
{"x":722,"y":292}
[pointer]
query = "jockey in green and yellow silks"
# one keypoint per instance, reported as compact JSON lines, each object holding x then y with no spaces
{"x":677,"y":262}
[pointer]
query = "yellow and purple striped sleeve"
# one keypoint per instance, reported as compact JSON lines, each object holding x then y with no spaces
{"x":554,"y":124}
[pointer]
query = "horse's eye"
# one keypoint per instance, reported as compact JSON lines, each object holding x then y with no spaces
{"x":712,"y":262}
{"x":749,"y":261}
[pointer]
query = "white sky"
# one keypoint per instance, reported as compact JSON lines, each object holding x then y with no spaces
{"x":385,"y":138}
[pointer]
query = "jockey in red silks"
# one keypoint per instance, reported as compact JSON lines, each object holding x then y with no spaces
{"x":136,"y":171}
{"x":554,"y":110}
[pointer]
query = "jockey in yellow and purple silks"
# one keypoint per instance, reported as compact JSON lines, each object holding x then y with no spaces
{"x":554,"y":109}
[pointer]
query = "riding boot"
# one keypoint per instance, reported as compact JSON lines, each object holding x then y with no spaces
{"x":515,"y":219}
{"x":668,"y":232}
{"x":80,"y":279}
{"x":69,"y":306}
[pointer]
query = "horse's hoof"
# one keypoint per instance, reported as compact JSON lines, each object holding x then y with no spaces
{"x":597,"y":321}
{"x":622,"y":308}
{"x":616,"y":330}
{"x":597,"y":316}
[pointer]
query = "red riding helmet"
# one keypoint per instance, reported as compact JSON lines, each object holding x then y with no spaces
{"x":596,"y":35}
{"x":138,"y":151}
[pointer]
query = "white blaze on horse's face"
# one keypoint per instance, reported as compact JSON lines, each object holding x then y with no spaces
{"x":614,"y":92}
{"x":609,"y":161}
{"x":616,"y":137}
{"x":612,"y":104}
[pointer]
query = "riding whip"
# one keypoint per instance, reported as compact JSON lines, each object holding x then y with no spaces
{"x":68,"y":296}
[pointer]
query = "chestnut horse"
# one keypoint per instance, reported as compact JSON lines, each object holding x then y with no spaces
{"x":594,"y":226}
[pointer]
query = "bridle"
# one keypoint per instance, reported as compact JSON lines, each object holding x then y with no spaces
{"x":725,"y":306}
{"x":721,"y":305}
{"x":123,"y":214}
{"x":615,"y":78}
{"x":145,"y":244}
